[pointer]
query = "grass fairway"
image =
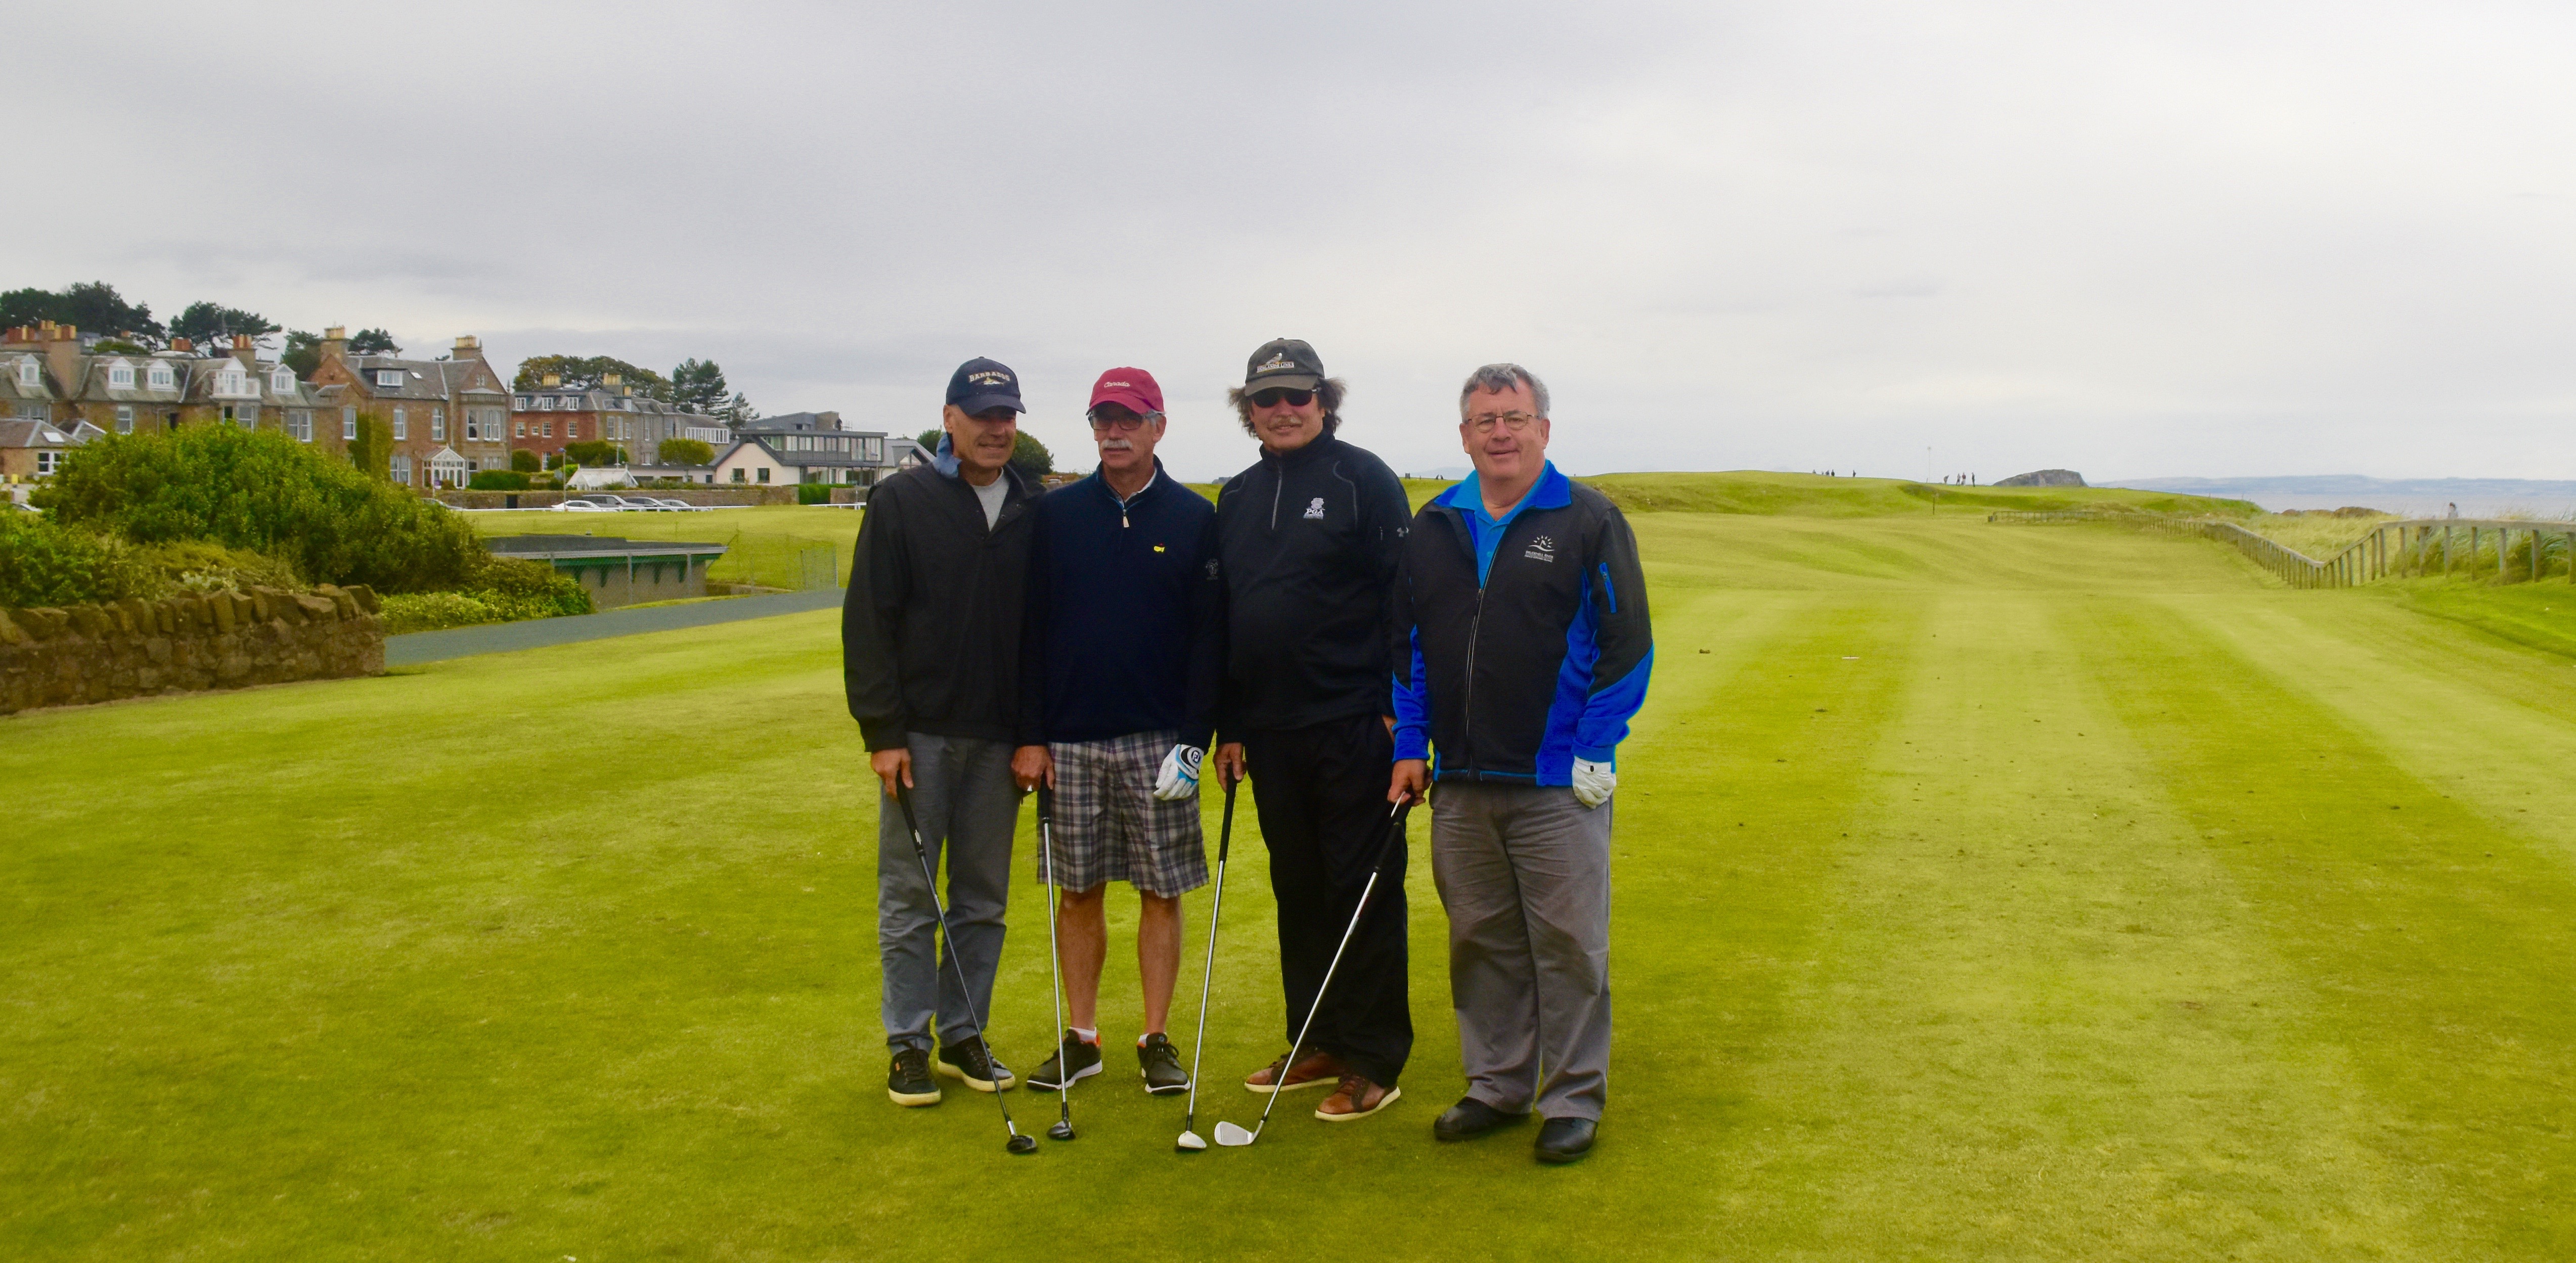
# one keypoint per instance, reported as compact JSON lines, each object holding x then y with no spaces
{"x":1983,"y":892}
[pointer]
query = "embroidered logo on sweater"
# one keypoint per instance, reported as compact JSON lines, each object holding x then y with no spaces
{"x":1315,"y":509}
{"x":1541,"y":549}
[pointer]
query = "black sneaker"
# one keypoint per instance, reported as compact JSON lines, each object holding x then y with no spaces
{"x":970,"y":1060}
{"x":1162,"y":1064}
{"x":1076,"y":1057}
{"x":909,"y":1082}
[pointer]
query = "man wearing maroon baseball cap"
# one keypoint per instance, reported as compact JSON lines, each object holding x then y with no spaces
{"x":1125,"y":654}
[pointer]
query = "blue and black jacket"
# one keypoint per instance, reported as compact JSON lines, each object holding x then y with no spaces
{"x":1522,"y":644}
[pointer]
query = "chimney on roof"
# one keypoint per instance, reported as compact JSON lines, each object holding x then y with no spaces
{"x":611,"y":380}
{"x":182,"y":345}
{"x":245,"y":350}
{"x":62,"y":354}
{"x":19,"y":333}
{"x":335,"y":342}
{"x":468,"y":347}
{"x":551,"y":380}
{"x":827,"y":420}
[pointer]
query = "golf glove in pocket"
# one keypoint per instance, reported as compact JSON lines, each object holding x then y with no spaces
{"x":1594,"y":782}
{"x":1180,"y":775}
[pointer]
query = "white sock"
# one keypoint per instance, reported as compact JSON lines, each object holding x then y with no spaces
{"x":1088,"y":1036}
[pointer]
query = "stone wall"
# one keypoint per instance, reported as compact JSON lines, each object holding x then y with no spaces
{"x":215,"y":640}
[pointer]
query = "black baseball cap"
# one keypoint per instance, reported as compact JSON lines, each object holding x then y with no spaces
{"x":981,"y":385}
{"x":1283,"y":362}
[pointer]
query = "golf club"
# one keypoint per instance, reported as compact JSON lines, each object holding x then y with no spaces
{"x":930,"y":881}
{"x":1190,"y":1141}
{"x":1234,"y":1137}
{"x":1063,"y":1129}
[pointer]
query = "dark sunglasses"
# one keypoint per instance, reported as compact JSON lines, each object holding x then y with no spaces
{"x":1270,"y":398}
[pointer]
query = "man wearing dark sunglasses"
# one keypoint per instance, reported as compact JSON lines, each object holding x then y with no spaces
{"x":1123,"y":661}
{"x":1309,"y":537}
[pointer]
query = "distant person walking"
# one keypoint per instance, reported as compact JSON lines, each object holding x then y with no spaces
{"x":1125,"y":653}
{"x":1521,"y":620}
{"x":1309,"y":536}
{"x":930,"y":655}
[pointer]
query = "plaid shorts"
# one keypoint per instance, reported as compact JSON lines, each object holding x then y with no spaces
{"x":1108,"y":826}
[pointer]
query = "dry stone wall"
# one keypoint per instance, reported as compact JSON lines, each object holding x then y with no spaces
{"x":213,"y":640}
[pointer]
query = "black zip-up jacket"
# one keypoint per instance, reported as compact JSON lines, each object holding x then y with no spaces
{"x":1125,"y":630}
{"x":1309,"y":542}
{"x":1515,"y":673}
{"x":930,"y":628}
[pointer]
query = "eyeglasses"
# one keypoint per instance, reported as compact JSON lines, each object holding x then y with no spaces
{"x":1516,"y":422}
{"x":1270,"y":398}
{"x":1121,"y":420}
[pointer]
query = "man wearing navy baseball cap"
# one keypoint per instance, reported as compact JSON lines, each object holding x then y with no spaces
{"x":930,"y":653}
{"x":1125,"y":647}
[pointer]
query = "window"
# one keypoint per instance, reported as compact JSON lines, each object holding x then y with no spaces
{"x":521,"y":427}
{"x":232,"y":381}
{"x":764,"y":473}
{"x":125,"y":414}
{"x":388,"y":378}
{"x":438,"y":425}
{"x":549,"y":428}
{"x":162,"y":378}
{"x":48,"y":461}
{"x":400,"y":468}
{"x":120,"y":376}
{"x":246,"y":416}
{"x":737,"y":473}
{"x":29,"y":375}
{"x":299,"y":424}
{"x":349,"y":424}
{"x":282,"y":381}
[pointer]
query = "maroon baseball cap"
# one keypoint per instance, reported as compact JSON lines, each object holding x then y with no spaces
{"x":1130,"y":388}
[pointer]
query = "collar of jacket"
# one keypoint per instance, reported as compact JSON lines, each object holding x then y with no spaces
{"x":1154,"y":486}
{"x":945,"y":459}
{"x":945,"y":462}
{"x":1313,"y":450}
{"x":1553,"y":490}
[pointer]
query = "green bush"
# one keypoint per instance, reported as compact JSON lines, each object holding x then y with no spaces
{"x":42,"y":563}
{"x":592,"y":454}
{"x":813,"y":493}
{"x":499,"y":480}
{"x":431,"y":611}
{"x":260,"y":491}
{"x":525,"y":462}
{"x":686,"y":452}
{"x":526,"y":589}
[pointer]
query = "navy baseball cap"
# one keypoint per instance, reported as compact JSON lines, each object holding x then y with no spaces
{"x":981,"y":385}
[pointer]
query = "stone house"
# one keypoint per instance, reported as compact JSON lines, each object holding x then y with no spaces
{"x":31,"y":449}
{"x":450,"y":417}
{"x":544,"y":419}
{"x":49,"y":375}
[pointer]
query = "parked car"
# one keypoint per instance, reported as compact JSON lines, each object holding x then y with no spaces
{"x":580,"y":506}
{"x":645,"y":504}
{"x":678,"y":506}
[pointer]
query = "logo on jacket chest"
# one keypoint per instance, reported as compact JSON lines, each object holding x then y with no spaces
{"x":1540,"y":549}
{"x":1315,"y":509}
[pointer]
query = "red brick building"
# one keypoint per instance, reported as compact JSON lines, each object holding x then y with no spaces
{"x":542,"y":420}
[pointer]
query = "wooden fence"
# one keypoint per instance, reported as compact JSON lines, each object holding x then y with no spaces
{"x":2414,"y":547}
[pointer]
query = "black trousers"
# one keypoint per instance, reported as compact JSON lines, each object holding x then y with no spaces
{"x":1321,"y":791}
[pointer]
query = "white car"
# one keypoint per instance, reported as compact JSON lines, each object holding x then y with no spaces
{"x":669,"y":505}
{"x":582,"y":506}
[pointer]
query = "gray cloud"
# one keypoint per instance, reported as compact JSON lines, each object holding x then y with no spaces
{"x":2194,"y":238}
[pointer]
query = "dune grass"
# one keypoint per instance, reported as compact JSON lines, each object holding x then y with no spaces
{"x":1982,"y":893}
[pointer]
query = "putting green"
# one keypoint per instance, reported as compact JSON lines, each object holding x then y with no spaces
{"x":1999,"y":892}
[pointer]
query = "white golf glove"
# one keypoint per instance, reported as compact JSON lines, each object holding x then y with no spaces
{"x":1180,"y":776}
{"x":1594,"y":782}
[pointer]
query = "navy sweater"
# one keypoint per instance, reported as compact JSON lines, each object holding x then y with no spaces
{"x":1125,"y":626}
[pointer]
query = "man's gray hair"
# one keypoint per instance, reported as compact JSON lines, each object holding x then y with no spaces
{"x":1501,"y":377}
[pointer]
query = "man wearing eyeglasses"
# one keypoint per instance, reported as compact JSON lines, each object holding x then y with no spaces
{"x":1123,"y":660}
{"x":1309,"y":537}
{"x":930,"y":655}
{"x":1520,"y":626}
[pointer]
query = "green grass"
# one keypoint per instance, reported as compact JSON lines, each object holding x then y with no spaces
{"x":764,"y":539}
{"x":1983,"y":892}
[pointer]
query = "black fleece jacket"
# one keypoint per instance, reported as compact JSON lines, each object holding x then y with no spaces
{"x":930,"y":628}
{"x":1310,"y":543}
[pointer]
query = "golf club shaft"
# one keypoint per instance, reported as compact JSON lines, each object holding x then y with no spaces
{"x":948,"y":936}
{"x":1395,"y":839}
{"x":1216,"y":908}
{"x":1055,"y":956}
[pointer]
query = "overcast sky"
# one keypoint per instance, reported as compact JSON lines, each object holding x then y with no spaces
{"x":1897,"y":238}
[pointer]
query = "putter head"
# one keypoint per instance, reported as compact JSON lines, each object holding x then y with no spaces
{"x":1022,"y":1144}
{"x":1233,"y":1137}
{"x":1061,"y":1131}
{"x":1190,"y":1142}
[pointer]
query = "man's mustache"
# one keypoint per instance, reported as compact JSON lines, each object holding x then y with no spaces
{"x":1116,"y":445}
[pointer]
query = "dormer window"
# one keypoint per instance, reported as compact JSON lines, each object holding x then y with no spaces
{"x":162,"y":379}
{"x":282,"y":381}
{"x":120,"y":376}
{"x":232,"y":382}
{"x":29,"y":375}
{"x":388,"y":378}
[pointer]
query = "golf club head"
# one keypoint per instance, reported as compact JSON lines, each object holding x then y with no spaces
{"x":1061,"y":1131}
{"x":1022,"y":1144}
{"x":1190,"y":1142}
{"x":1233,"y":1137}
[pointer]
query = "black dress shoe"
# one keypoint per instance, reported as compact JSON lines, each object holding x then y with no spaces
{"x":1565,"y":1139}
{"x":1470,"y":1118}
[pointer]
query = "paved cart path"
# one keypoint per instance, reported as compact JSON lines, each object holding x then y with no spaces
{"x":1982,"y":892}
{"x":536,"y":633}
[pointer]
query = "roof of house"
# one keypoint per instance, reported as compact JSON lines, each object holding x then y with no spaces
{"x":799,"y":460}
{"x":552,"y":547}
{"x":435,"y":381}
{"x":799,"y":422}
{"x":602,"y":399}
{"x":21,"y":432}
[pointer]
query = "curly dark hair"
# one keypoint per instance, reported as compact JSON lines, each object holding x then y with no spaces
{"x":1331,"y":392}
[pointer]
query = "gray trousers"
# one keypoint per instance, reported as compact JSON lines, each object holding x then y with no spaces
{"x":1524,"y":873}
{"x":969,"y":807}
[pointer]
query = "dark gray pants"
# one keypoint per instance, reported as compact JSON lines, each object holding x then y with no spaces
{"x":1524,"y":873}
{"x":968,"y":806}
